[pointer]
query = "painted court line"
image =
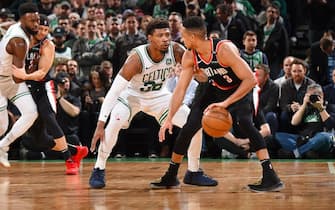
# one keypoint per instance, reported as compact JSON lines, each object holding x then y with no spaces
{"x":331,"y":167}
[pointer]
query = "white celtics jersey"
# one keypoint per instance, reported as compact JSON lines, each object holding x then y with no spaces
{"x":6,"y":59}
{"x":151,"y":82}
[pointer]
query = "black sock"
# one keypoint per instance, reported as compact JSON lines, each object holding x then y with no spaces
{"x":66,"y":154}
{"x":72,"y":148}
{"x":267,"y":166}
{"x":173,"y":168}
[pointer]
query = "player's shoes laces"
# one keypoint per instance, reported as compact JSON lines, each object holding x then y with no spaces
{"x":82,"y":152}
{"x":71,"y":167}
{"x":97,"y":179}
{"x":4,"y":158}
{"x":270,"y":183}
{"x":166,"y":182}
{"x":199,"y":178}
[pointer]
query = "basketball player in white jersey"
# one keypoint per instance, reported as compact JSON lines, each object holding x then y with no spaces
{"x":140,"y":86}
{"x":13,"y":50}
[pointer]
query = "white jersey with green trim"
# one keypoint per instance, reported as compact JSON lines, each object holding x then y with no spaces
{"x":151,"y":82}
{"x":14,"y":31}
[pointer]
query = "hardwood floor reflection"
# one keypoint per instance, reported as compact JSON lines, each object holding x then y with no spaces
{"x":43,"y":185}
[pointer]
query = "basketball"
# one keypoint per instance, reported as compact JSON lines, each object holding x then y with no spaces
{"x":217,"y":121}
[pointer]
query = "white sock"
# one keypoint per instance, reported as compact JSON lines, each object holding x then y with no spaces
{"x":6,"y":141}
{"x":193,"y":164}
{"x":193,"y":153}
{"x":101,"y":160}
{"x":296,"y":153}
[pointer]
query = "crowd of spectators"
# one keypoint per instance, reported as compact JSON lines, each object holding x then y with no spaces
{"x":288,"y":44}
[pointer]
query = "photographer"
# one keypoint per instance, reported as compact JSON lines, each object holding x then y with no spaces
{"x":311,"y":121}
{"x":68,"y":108}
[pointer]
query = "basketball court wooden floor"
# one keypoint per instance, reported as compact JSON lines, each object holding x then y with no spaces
{"x":43,"y":185}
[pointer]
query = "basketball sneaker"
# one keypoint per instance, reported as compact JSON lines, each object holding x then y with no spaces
{"x":199,"y":178}
{"x":97,"y":179}
{"x":71,"y":167}
{"x":269,"y":183}
{"x":4,"y":158}
{"x":82,"y":152}
{"x":166,"y":182}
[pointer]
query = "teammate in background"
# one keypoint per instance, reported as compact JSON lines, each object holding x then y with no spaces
{"x":230,"y":81}
{"x":13,"y":50}
{"x":140,"y":86}
{"x":46,"y":132}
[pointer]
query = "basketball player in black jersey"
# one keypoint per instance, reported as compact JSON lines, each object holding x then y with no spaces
{"x":46,"y":132}
{"x":228,"y":83}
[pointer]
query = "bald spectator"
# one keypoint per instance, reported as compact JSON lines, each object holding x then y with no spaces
{"x":286,"y":70}
{"x":268,"y":94}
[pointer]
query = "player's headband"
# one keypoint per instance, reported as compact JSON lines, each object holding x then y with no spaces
{"x":44,"y":21}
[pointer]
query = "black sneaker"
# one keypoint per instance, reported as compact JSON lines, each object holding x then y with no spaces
{"x":267,"y":184}
{"x":199,"y":178}
{"x":97,"y":179}
{"x":166,"y":182}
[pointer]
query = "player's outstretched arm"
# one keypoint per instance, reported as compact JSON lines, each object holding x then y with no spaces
{"x":99,"y":134}
{"x":131,"y":67}
{"x":179,"y":92}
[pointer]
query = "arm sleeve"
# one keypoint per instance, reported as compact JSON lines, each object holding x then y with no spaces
{"x":119,"y":84}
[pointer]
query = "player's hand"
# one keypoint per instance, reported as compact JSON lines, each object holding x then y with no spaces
{"x":214,"y":105}
{"x":99,"y":134}
{"x":19,"y":73}
{"x":166,"y":125}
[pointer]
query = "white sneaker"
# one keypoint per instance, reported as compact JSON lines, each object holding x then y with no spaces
{"x":4,"y":158}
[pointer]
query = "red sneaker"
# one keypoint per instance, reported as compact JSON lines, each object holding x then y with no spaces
{"x":82,"y":152}
{"x":71,"y":167}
